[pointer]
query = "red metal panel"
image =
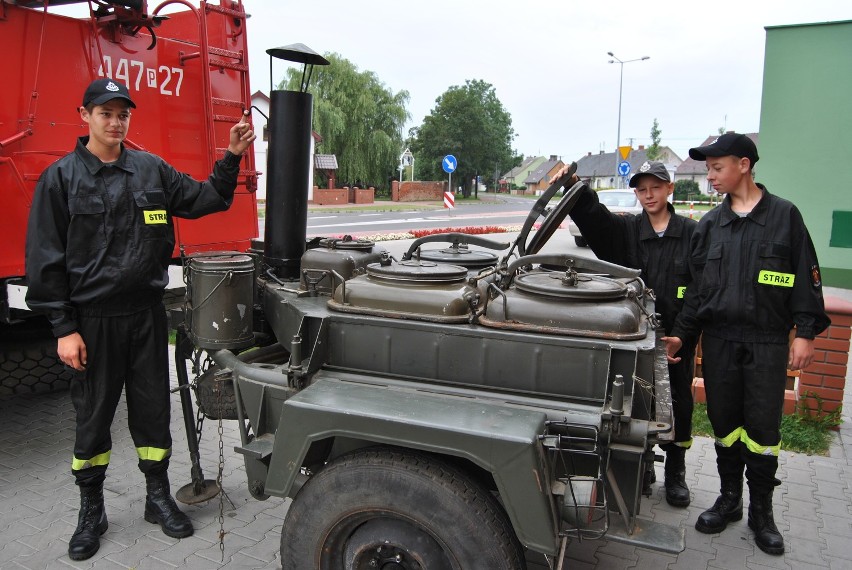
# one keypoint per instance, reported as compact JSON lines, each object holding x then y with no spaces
{"x":53,"y":58}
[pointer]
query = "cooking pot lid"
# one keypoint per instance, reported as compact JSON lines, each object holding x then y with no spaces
{"x":418,"y":270}
{"x":571,"y":285}
{"x":460,"y":256}
{"x":347,"y":242}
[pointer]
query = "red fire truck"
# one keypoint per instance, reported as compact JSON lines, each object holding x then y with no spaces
{"x":186,"y":66}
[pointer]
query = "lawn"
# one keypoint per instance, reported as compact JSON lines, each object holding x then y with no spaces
{"x":801,"y":432}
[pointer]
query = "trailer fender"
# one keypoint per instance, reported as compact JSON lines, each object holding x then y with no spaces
{"x":501,"y":439}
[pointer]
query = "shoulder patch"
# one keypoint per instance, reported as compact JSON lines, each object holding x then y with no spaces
{"x":816,"y":279}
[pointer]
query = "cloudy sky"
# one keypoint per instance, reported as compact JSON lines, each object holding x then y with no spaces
{"x":547,"y":59}
{"x":548,"y":62}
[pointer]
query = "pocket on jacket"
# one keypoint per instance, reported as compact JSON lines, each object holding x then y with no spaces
{"x":712,"y":277}
{"x":774,"y":268}
{"x":153,"y":214}
{"x":86,"y":231}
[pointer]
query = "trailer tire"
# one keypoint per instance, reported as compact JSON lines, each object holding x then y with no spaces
{"x":207,"y":390}
{"x":28,"y":362}
{"x":407,"y":509}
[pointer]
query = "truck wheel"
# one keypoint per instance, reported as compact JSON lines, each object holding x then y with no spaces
{"x":383,"y":508}
{"x":580,"y":241}
{"x":28,"y":363}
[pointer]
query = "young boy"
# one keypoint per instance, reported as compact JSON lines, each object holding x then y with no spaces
{"x":99,"y":241}
{"x":657,"y":242}
{"x":757,"y":278}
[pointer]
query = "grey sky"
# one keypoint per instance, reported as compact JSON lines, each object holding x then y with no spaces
{"x":547,"y":59}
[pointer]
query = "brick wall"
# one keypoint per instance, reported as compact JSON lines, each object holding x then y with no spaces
{"x":826,"y":376}
{"x":324,"y":196}
{"x":420,"y":191}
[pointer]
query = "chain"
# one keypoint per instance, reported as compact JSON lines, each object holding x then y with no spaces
{"x":218,"y":386}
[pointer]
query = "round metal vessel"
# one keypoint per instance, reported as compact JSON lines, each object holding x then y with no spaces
{"x":220,"y":300}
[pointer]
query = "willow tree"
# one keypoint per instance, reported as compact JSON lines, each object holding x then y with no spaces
{"x":359,"y":119}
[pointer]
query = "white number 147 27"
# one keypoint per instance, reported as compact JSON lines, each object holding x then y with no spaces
{"x":166,"y":79}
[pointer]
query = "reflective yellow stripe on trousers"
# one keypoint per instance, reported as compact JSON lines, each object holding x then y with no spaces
{"x":98,"y":460}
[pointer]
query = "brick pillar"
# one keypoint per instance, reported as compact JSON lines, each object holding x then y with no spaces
{"x":395,"y":190}
{"x":826,"y":376}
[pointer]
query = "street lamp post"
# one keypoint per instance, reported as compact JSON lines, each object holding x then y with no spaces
{"x":620,"y":84}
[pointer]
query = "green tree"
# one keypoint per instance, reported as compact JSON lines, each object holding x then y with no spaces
{"x":469,"y":122}
{"x":686,"y":189}
{"x":359,"y":118}
{"x":654,"y":151}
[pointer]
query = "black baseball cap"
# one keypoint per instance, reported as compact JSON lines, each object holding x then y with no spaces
{"x":654,"y":168}
{"x":100,"y":91}
{"x":729,"y":144}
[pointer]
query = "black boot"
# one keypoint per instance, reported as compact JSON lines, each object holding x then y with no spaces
{"x":161,"y":509}
{"x":91,"y":523}
{"x":677,"y":493}
{"x":762,"y":522}
{"x":727,"y":508}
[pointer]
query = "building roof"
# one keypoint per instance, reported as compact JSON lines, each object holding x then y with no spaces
{"x":699,"y":167}
{"x":541,"y":172}
{"x":604,"y":163}
{"x":325,"y":161}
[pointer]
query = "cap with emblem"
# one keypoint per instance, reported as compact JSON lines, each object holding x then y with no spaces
{"x":654,"y":168}
{"x":729,"y":144}
{"x":100,"y":91}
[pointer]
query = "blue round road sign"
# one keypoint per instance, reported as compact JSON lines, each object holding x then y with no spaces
{"x":624,"y":168}
{"x":449,"y":164}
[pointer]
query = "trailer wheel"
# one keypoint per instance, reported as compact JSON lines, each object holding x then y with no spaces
{"x":28,"y":362}
{"x":207,"y":389}
{"x":383,"y":508}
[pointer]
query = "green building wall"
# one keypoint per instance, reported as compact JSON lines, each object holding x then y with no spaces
{"x":806,"y":134}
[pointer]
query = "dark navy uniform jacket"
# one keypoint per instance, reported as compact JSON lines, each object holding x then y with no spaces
{"x":758,"y":276}
{"x":103,"y":234}
{"x":630,"y":240}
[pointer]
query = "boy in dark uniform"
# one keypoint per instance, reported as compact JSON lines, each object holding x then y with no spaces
{"x":99,"y":241}
{"x":657,"y":241}
{"x":757,"y":278}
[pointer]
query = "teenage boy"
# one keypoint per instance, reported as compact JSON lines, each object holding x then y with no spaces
{"x":757,"y":278}
{"x":99,"y":241}
{"x":657,"y":242}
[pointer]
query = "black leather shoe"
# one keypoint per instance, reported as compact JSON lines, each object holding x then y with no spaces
{"x":91,"y":524}
{"x":161,"y":509}
{"x":727,"y":508}
{"x":762,"y":522}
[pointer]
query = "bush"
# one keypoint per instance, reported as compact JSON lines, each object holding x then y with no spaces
{"x":687,"y":190}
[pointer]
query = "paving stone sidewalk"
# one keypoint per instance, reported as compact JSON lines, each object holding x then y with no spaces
{"x":39,"y":504}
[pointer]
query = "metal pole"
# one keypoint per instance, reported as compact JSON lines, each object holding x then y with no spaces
{"x":200,"y":489}
{"x":620,"y":88}
{"x":618,"y":136}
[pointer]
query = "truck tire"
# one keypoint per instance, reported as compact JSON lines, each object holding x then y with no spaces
{"x":580,"y":241}
{"x":383,"y":507}
{"x":28,"y":361}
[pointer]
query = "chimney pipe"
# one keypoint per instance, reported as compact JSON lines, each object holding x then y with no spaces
{"x":288,"y":172}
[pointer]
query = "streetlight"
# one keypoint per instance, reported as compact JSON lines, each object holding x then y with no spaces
{"x":620,"y":84}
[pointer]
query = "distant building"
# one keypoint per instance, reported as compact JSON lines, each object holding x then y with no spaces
{"x":600,"y":169}
{"x":539,"y":179}
{"x":516,"y":176}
